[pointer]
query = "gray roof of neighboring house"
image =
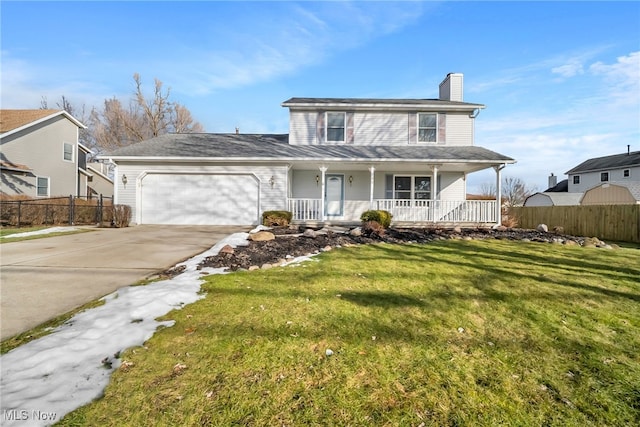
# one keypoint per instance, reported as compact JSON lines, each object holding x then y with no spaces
{"x":372,"y":102}
{"x":560,"y":199}
{"x":608,"y":162}
{"x":276,"y":147}
{"x":561,"y":187}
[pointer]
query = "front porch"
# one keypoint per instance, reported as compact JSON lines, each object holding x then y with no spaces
{"x":475,"y":212}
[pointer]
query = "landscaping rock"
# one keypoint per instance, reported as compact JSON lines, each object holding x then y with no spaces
{"x":356,"y":232}
{"x":261,"y":236}
{"x":227,"y":250}
{"x":309,"y":233}
{"x":542,"y":228}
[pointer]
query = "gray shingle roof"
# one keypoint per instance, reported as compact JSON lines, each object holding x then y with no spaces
{"x":615,"y":161}
{"x":276,"y":147}
{"x":363,"y":102}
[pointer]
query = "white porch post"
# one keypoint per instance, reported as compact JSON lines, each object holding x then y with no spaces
{"x":372,"y":171}
{"x":323,"y":169}
{"x":498,"y":169}
{"x":435,"y":208}
{"x":435,"y":182}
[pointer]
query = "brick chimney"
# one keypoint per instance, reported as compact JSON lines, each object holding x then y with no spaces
{"x":451,"y":87}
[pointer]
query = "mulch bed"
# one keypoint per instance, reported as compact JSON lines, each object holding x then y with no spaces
{"x":290,"y":243}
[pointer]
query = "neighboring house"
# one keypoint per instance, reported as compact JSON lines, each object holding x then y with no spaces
{"x":593,"y":172}
{"x":341,"y":157}
{"x":41,"y":155}
{"x":555,"y":195}
{"x":613,"y":193}
{"x":99,"y":181}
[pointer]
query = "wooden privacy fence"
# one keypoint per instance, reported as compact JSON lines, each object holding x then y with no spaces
{"x":611,"y":222}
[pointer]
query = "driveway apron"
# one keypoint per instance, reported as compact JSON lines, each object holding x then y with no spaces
{"x":44,"y":278}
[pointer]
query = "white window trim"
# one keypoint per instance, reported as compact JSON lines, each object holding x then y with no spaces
{"x":573,"y":180}
{"x":72,"y":152}
{"x":326,"y":127}
{"x":418,"y":128}
{"x":608,"y":176}
{"x":48,"y":186}
{"x":628,"y":176}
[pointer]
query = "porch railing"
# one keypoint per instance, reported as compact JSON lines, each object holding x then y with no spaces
{"x":472,"y":211}
{"x":449,"y":211}
{"x":306,"y":209}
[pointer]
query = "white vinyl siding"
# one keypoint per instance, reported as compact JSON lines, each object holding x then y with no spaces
{"x":589,"y":180}
{"x":459,"y":130}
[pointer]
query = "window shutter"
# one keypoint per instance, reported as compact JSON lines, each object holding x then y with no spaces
{"x":442,"y":128}
{"x":413,"y":128}
{"x":320,"y":129}
{"x":349,"y":137}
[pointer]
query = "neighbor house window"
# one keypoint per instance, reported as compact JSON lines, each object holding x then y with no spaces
{"x":68,"y":152}
{"x":576,"y":179}
{"x":335,"y":127}
{"x":427,"y":127}
{"x":604,"y":176}
{"x":42,"y":186}
{"x":626,"y":173}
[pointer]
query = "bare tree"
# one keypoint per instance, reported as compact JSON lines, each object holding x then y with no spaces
{"x":514,"y":191}
{"x":117,"y":124}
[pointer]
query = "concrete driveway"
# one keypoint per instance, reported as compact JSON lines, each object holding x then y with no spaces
{"x":43,"y":278}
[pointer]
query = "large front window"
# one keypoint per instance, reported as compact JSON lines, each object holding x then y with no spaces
{"x":335,"y":127}
{"x":412,"y":187}
{"x":427,"y":127}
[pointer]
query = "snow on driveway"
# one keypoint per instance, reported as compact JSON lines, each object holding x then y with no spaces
{"x":45,"y":379}
{"x":37,"y":232}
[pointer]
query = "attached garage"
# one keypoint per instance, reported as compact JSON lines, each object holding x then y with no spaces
{"x":199,"y":199}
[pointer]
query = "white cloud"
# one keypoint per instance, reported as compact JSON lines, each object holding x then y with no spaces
{"x":569,"y":70}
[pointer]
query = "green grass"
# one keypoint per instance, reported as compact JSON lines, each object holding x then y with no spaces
{"x":450,"y":333}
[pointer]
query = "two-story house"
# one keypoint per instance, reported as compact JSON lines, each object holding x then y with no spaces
{"x":40,"y":154}
{"x":342,"y":156}
{"x":607,"y":180}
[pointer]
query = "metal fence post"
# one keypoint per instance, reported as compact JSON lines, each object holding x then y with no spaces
{"x":70,"y":209}
{"x":101,"y":205}
{"x":19,"y":211}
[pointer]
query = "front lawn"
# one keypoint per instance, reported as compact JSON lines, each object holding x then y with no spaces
{"x":448,"y":333}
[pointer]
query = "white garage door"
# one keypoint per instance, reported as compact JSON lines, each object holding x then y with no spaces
{"x":199,"y":199}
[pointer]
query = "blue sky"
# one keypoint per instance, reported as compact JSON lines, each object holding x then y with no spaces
{"x":561,"y":80}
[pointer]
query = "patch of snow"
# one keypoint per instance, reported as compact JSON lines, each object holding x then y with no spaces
{"x":45,"y":379}
{"x":44,"y":231}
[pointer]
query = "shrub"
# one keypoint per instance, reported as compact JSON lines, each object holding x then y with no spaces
{"x":372,"y":229}
{"x":276,"y":218}
{"x":121,"y":215}
{"x":383,"y":218}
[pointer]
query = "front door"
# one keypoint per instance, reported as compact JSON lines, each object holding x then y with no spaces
{"x":334,"y":195}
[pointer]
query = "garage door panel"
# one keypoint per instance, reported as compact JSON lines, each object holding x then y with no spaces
{"x":199,"y":199}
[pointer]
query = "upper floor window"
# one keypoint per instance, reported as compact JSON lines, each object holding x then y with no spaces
{"x":335,"y":126}
{"x":427,"y":127}
{"x":68,"y":152}
{"x":626,"y":173}
{"x":42,"y":186}
{"x":576,"y":179}
{"x":604,"y":176}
